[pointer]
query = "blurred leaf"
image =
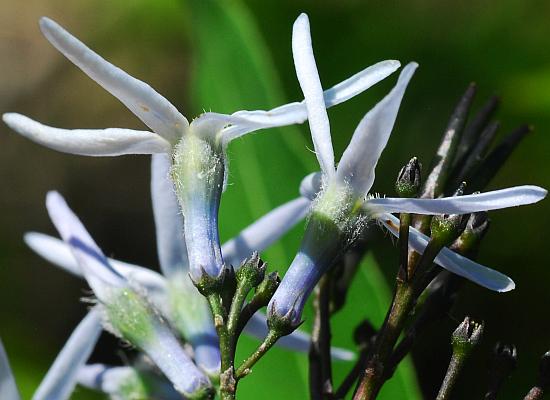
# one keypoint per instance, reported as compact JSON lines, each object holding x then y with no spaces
{"x":233,"y":71}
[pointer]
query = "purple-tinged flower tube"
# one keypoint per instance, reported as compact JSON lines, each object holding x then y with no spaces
{"x":341,"y":204}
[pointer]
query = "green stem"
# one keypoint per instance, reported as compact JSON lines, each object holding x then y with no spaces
{"x":228,"y":383}
{"x":247,"y":365}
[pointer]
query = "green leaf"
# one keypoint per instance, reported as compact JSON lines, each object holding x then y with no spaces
{"x":233,"y":71}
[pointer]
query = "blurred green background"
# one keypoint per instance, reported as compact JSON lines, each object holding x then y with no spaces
{"x":231,"y":55}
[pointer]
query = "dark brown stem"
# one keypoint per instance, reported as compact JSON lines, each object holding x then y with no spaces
{"x":320,"y":367}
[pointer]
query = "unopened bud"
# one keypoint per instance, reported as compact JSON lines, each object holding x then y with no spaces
{"x":460,"y":189}
{"x":447,"y":227}
{"x":408,"y":181}
{"x":476,"y":228}
{"x":466,"y":336}
{"x":252,"y":271}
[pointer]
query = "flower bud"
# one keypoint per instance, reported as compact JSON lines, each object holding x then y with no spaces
{"x":408,"y":181}
{"x":447,"y":227}
{"x":466,"y":336}
{"x":476,"y":228}
{"x":252,"y":271}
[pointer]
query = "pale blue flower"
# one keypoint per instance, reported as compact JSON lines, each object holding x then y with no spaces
{"x":127,"y":311}
{"x":341,"y":202}
{"x":198,"y":148}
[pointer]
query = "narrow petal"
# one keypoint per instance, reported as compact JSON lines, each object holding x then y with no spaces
{"x":61,"y":379}
{"x":59,"y":254}
{"x":265,"y":231}
{"x":452,"y":261}
{"x":297,"y":340}
{"x":8,"y":387}
{"x":148,"y":105}
{"x":306,"y":70}
{"x":370,"y":137}
{"x":296,"y":113}
{"x":94,"y":264}
{"x":54,"y":251}
{"x":171,"y":248}
{"x":494,"y":200}
{"x":88,"y":142}
{"x":311,"y":185}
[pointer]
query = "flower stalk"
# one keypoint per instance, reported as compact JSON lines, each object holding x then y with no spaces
{"x":464,"y":339}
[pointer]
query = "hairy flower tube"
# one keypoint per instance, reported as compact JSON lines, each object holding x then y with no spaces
{"x":128,"y":313}
{"x":197,"y":148}
{"x":342,"y":206}
{"x":62,"y":376}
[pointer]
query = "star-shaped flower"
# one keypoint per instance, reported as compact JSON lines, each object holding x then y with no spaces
{"x":341,"y":202}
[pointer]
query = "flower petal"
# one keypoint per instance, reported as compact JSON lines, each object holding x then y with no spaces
{"x":370,"y":137}
{"x":297,"y":340}
{"x":148,"y":105}
{"x":296,"y":113}
{"x":59,"y":254}
{"x":171,"y":248}
{"x":61,"y":378}
{"x":88,"y":142}
{"x":494,"y":200}
{"x":94,"y":264}
{"x":8,"y":387}
{"x":265,"y":231}
{"x":452,"y":261}
{"x":306,"y":70}
{"x":311,"y":185}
